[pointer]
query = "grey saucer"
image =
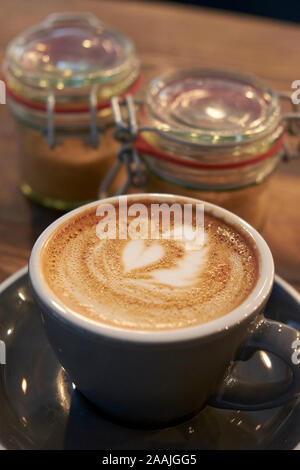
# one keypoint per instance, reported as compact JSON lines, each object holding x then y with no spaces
{"x":41,"y":409}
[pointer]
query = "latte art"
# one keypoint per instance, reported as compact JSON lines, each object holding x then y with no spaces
{"x":149,"y":284}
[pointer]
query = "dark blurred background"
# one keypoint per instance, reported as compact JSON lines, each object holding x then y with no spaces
{"x":288,"y":10}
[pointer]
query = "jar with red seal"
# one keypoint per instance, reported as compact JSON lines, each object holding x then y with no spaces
{"x":60,"y":76}
{"x":210,"y":134}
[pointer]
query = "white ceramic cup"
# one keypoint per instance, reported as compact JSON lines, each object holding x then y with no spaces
{"x":158,"y":377}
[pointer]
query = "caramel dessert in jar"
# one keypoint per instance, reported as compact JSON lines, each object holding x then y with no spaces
{"x":60,"y":76}
{"x":213,"y":135}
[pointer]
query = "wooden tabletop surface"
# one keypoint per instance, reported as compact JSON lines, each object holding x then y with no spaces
{"x":166,"y":37}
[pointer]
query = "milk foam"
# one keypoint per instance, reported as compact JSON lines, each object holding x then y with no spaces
{"x":137,"y":255}
{"x":149,"y":284}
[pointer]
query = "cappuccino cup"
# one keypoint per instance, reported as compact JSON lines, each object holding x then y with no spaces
{"x":149,"y":326}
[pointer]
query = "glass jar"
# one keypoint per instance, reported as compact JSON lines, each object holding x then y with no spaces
{"x":60,"y":77}
{"x":210,"y":134}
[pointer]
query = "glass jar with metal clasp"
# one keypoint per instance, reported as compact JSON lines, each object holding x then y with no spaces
{"x":210,"y":134}
{"x":60,"y":77}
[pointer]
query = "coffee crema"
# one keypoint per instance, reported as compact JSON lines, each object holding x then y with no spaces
{"x":149,"y":284}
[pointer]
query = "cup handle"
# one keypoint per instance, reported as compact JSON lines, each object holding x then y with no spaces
{"x":276,"y":338}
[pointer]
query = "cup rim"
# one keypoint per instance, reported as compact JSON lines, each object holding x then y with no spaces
{"x":248,"y":307}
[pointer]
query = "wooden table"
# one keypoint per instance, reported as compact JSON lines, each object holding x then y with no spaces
{"x":166,"y":37}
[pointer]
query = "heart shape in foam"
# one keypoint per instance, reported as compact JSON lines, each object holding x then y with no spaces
{"x":137,"y":255}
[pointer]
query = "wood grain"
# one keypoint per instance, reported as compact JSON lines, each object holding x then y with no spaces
{"x":167,"y":37}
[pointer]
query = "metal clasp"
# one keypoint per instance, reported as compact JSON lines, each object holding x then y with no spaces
{"x":94,"y":129}
{"x":125,"y":133}
{"x":50,"y":134}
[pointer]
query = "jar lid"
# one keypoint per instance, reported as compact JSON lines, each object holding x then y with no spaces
{"x":67,"y":52}
{"x":211,"y":107}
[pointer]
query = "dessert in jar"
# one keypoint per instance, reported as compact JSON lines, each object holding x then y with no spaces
{"x":60,"y":77}
{"x":214,"y":135}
